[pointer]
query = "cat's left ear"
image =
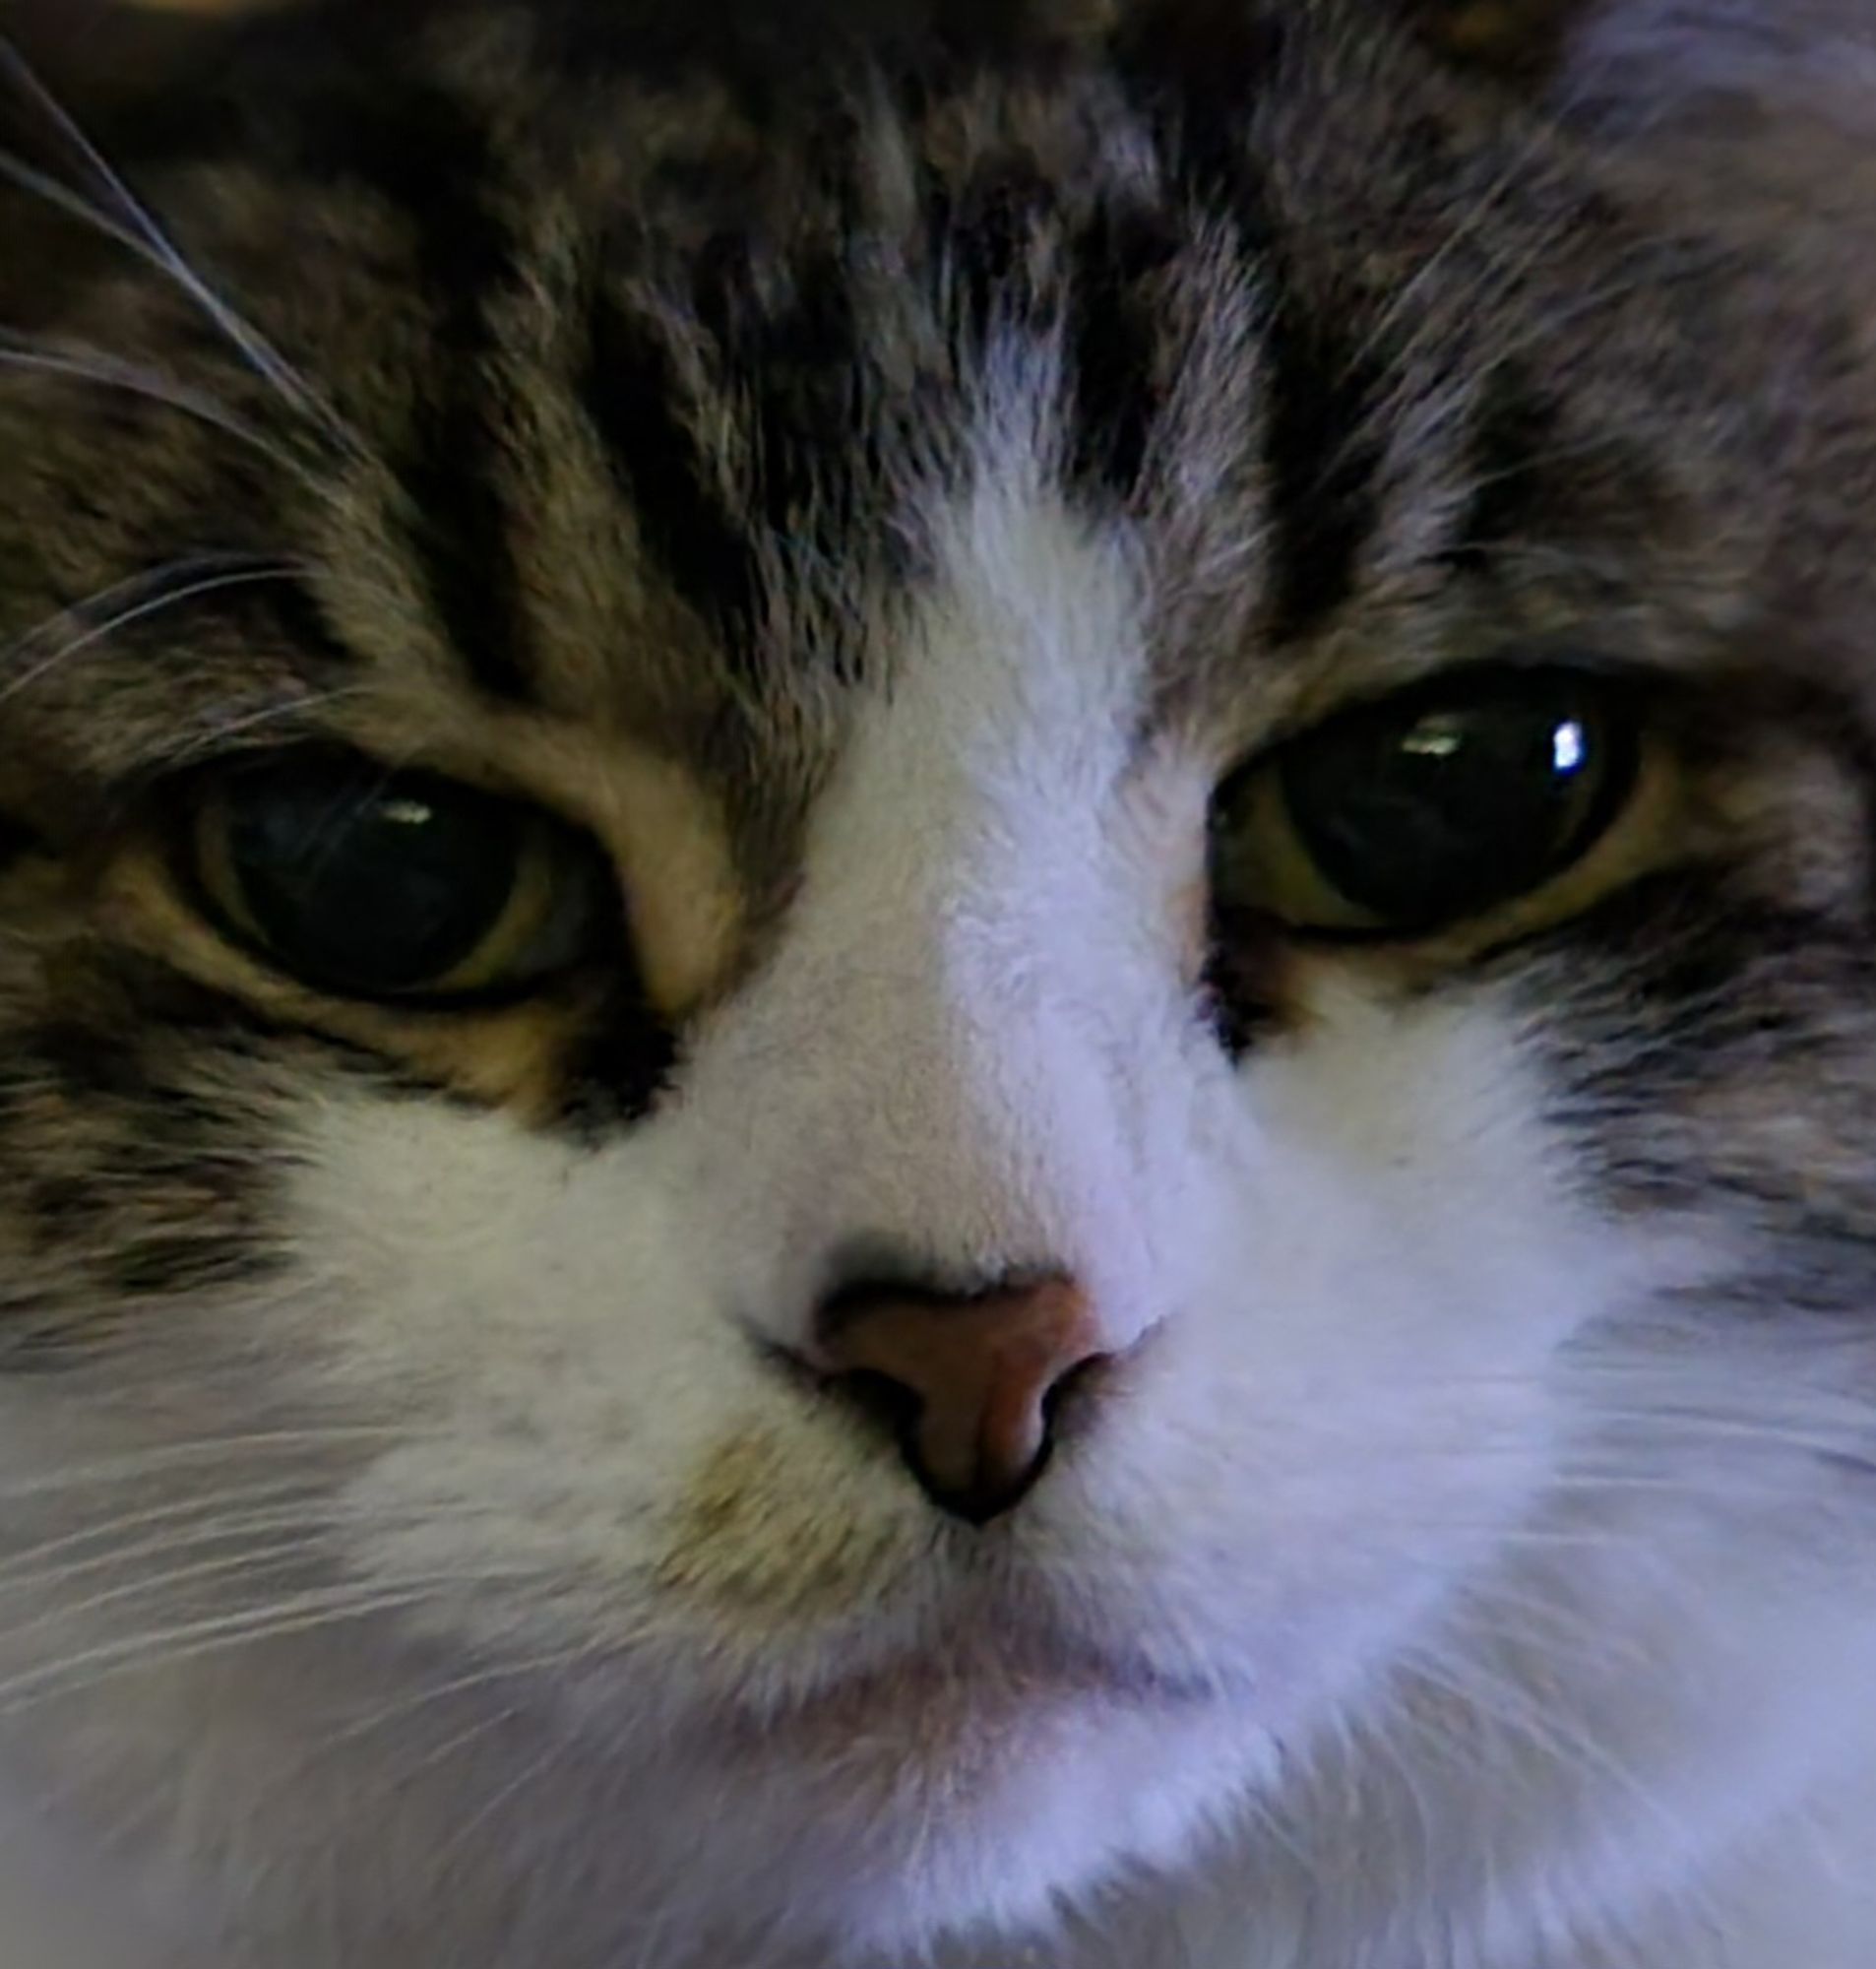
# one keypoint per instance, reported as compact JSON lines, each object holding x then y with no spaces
{"x":1764,"y":64}
{"x":1759,"y":114}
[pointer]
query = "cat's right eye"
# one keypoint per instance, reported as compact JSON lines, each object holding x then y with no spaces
{"x":392,"y":886}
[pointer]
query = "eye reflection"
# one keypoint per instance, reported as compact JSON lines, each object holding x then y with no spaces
{"x":392,"y":886}
{"x":1445,"y":801}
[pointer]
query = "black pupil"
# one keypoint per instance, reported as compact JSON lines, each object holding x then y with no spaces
{"x":378,"y":887}
{"x":1426,"y":815}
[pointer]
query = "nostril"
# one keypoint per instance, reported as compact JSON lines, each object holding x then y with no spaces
{"x":969,"y":1389}
{"x":1076,"y":1385}
{"x":890,"y":1406}
{"x":897,"y":1412}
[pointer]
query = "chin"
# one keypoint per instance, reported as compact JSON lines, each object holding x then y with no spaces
{"x":1007,"y":1736}
{"x":919,"y":1810}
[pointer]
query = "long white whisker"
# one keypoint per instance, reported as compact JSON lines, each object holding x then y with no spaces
{"x":460,"y":1685}
{"x":1454,"y":241}
{"x":50,"y":1558}
{"x":140,"y":585}
{"x":140,"y":232}
{"x":288,"y":1776}
{"x":124,"y":619}
{"x":190,"y":1639}
{"x":217,"y":738}
{"x":257,"y":1559}
{"x":474,"y":1732}
{"x":493,"y":1804}
{"x":233,"y":1450}
{"x":98,"y":366}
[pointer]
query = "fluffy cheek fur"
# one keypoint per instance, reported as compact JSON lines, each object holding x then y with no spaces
{"x":1338,"y":1402}
{"x":1338,"y":1277}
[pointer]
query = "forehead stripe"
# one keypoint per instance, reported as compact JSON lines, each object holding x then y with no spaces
{"x":430,"y":159}
{"x":1514,"y":426}
{"x":635,"y":400}
{"x":1322,"y":451}
{"x":1114,"y":346}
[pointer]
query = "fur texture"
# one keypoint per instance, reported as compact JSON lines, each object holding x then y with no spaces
{"x":878,"y":480}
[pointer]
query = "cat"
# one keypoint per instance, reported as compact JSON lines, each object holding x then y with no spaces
{"x":803,"y":1162}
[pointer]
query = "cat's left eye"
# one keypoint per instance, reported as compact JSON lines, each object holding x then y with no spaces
{"x":1401,"y":817}
{"x":392,"y":886}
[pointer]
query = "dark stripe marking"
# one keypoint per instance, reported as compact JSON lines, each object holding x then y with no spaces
{"x":632,"y":393}
{"x":622,"y":1067}
{"x":1197,"y":69}
{"x":251,"y":599}
{"x":1514,"y":425}
{"x":294,"y":612}
{"x":982,"y":235}
{"x":798,"y":365}
{"x":1114,"y":346}
{"x":1322,"y":452}
{"x":426,"y":156}
{"x":803,"y":368}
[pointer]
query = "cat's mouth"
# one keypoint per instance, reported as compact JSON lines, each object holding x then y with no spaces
{"x":930,"y":1701}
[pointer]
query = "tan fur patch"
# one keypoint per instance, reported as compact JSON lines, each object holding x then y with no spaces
{"x":668,"y":837}
{"x":751,"y":1544}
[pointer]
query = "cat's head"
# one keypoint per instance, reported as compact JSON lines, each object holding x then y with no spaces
{"x":967,"y":905}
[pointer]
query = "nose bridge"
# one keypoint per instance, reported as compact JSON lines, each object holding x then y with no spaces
{"x":919,"y":1065}
{"x":940,"y":1041}
{"x":935,"y":1056}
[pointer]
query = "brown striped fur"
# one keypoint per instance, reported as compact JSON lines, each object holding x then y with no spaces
{"x":573,"y":407}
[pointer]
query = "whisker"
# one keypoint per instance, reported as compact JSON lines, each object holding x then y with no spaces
{"x":493,"y":1804}
{"x":290,"y":1776}
{"x":257,"y":1559}
{"x":216,"y":739}
{"x":140,"y":583}
{"x":83,"y":364}
{"x":44,"y":1560}
{"x":140,"y":232}
{"x":1456,"y":240}
{"x":232,"y":1449}
{"x":471,"y":1734}
{"x":460,"y":1685}
{"x":190,"y":1641}
{"x":52,"y":191}
{"x":170,"y":597}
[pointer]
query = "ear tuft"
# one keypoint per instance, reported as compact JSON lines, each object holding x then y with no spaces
{"x":1764,"y":111}
{"x":1776,"y":58}
{"x":1649,"y":62}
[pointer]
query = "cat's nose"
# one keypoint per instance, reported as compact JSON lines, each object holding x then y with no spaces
{"x":971,"y":1385}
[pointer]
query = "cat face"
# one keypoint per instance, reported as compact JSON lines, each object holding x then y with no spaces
{"x":1175,"y":685}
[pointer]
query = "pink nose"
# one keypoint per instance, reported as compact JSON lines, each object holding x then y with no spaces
{"x":974,"y":1381}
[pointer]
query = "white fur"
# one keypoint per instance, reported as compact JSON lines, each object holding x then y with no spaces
{"x":1464,"y":1605}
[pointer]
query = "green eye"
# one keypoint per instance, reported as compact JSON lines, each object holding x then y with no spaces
{"x":1405,"y":816}
{"x":394,"y":886}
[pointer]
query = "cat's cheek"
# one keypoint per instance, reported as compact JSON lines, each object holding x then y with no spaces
{"x":1351,"y":1351}
{"x":1368,"y":1265}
